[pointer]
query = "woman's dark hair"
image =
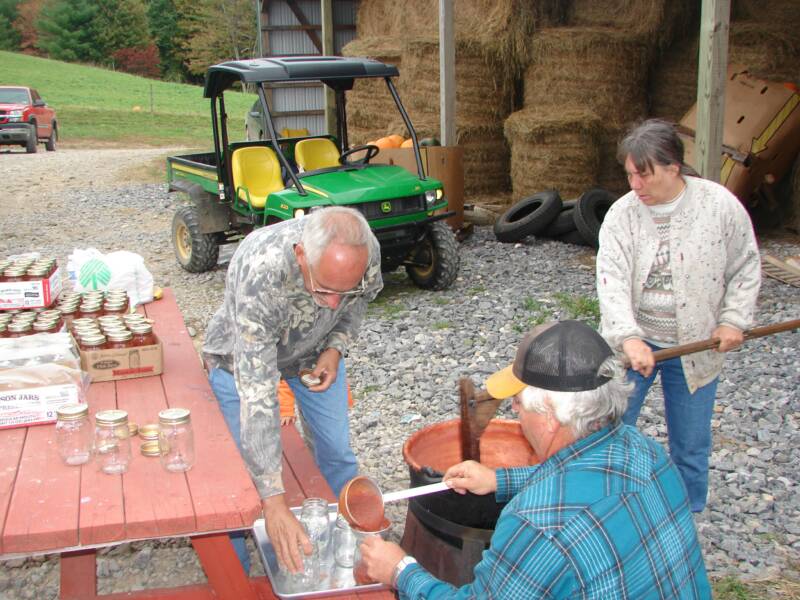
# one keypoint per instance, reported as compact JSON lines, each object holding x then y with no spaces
{"x":653,"y":142}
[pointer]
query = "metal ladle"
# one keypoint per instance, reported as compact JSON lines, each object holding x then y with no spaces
{"x":361,"y":501}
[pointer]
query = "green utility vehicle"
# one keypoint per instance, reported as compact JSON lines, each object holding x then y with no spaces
{"x":248,"y":184}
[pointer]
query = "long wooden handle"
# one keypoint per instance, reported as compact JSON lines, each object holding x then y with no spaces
{"x":712,"y":343}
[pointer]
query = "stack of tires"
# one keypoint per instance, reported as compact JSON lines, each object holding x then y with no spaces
{"x":546,"y":215}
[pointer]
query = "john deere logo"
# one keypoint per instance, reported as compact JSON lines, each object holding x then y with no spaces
{"x":386,"y":207}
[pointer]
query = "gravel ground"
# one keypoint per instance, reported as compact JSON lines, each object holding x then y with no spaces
{"x":413,"y":347}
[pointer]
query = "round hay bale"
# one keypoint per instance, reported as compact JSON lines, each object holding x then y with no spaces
{"x":555,"y":149}
{"x":599,"y":69}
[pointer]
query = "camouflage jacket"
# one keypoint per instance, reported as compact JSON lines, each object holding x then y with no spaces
{"x":270,"y":327}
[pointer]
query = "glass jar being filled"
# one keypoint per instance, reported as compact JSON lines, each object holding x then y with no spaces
{"x":344,"y":543}
{"x":176,"y":439}
{"x":314,"y":517}
{"x":74,"y":433}
{"x":112,"y":444}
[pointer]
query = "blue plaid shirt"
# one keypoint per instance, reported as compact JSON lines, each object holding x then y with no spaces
{"x":606,"y":517}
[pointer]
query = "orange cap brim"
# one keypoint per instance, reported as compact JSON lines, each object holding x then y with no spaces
{"x":504,"y":384}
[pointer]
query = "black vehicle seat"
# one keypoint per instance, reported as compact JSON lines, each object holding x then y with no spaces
{"x":316,"y":153}
{"x":256,"y":174}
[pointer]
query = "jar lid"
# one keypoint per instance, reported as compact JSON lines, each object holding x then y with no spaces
{"x":149,"y":431}
{"x":72,"y":412}
{"x":19,"y":327}
{"x":118,"y":335}
{"x":15,"y":271}
{"x":36,"y":271}
{"x":141,"y":327}
{"x":174,"y":416}
{"x":111,"y":417}
{"x":93,"y":339}
{"x":44,"y":325}
{"x":150,"y":448}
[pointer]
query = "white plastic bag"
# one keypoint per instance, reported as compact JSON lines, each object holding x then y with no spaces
{"x":90,"y":269}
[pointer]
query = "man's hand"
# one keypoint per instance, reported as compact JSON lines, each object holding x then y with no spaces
{"x":471,"y":476}
{"x":286,"y":533}
{"x":639,"y":355}
{"x":326,"y":368}
{"x":729,"y":338}
{"x":380,"y":558}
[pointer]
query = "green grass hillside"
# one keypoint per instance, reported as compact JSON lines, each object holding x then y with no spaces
{"x":99,"y":105}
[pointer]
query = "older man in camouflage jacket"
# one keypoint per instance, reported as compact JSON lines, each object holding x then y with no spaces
{"x":295,"y":296}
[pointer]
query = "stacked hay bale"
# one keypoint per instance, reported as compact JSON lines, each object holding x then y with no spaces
{"x":371,"y":109}
{"x":491,"y":42}
{"x":554,"y":150}
{"x":479,"y":122}
{"x":594,"y":72}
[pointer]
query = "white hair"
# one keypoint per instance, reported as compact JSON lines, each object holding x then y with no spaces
{"x":583,"y":412}
{"x":334,"y":224}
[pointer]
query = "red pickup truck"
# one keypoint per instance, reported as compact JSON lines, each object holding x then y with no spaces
{"x":25,"y":119}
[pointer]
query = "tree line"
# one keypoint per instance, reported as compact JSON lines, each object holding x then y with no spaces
{"x":174,"y":40}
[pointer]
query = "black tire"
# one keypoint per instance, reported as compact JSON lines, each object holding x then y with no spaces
{"x":196,"y":252}
{"x":563,"y":223}
{"x":527,"y":217}
{"x":434,"y":264}
{"x":574,"y":237}
{"x":50,"y":144}
{"x":590,"y":210}
{"x":32,"y":145}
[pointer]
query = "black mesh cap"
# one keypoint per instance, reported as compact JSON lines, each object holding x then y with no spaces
{"x":565,"y":356}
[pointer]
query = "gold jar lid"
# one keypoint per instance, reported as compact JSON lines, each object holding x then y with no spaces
{"x":72,"y":412}
{"x":149,"y":431}
{"x":150,"y":448}
{"x":93,"y":339}
{"x":118,"y":335}
{"x":174,"y":416}
{"x":113,"y":416}
{"x":19,"y":327}
{"x":133,"y":429}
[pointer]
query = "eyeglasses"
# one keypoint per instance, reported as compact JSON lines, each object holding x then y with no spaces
{"x":359,"y":289}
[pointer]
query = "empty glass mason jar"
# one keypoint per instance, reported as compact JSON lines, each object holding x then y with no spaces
{"x":344,"y":543}
{"x":314,"y":516}
{"x":74,"y":433}
{"x":112,"y":444}
{"x":176,"y":439}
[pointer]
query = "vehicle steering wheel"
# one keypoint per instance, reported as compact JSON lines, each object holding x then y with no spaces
{"x":372,"y":152}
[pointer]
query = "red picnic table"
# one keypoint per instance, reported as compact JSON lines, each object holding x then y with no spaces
{"x":48,"y":507}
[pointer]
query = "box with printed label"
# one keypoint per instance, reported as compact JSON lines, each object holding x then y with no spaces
{"x":36,"y":405}
{"x":37,"y":293}
{"x":125,"y":363}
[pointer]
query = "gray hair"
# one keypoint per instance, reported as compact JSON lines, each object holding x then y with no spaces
{"x":584,"y":412}
{"x":653,"y":142}
{"x":334,"y":224}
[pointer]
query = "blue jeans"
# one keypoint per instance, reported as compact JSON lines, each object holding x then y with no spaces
{"x":325,"y":414}
{"x":688,"y":419}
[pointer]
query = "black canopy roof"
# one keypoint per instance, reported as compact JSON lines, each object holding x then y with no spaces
{"x":336,"y":71}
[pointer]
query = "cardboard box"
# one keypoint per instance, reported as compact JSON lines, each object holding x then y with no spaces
{"x":35,"y":406}
{"x":113,"y":365}
{"x":39,"y":293}
{"x":762,"y":124}
{"x":444,"y":163}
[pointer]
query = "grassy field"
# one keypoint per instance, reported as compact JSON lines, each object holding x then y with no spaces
{"x":98,"y":105}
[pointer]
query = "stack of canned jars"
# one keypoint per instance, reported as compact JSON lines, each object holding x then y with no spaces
{"x":26,"y":268}
{"x":19,"y":323}
{"x":113,"y":332}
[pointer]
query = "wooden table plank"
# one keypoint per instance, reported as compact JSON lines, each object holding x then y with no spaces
{"x":303,"y":466}
{"x":12,"y":441}
{"x":44,"y":511}
{"x":102,"y":507}
{"x":157,"y":503}
{"x":222,"y":492}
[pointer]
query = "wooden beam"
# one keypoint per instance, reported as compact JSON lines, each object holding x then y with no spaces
{"x":447,"y":74}
{"x":301,"y":16}
{"x":328,"y":50}
{"x":711,"y":77}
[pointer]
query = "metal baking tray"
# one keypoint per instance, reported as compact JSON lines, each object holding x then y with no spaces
{"x":333,"y":579}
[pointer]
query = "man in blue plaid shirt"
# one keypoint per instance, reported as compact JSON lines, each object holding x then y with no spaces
{"x":604,"y":515}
